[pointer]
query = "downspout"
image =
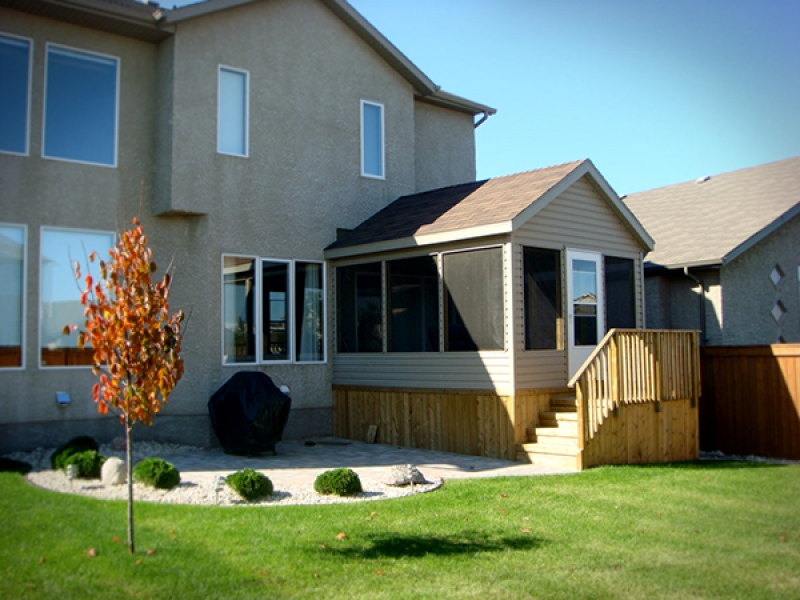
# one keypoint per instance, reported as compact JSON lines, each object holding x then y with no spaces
{"x":481,"y":120}
{"x":702,"y":285}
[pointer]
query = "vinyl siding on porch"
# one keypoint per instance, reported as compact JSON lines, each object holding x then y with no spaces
{"x":581,"y":219}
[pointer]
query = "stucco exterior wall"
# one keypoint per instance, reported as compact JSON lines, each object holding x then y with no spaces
{"x":307,"y":74}
{"x":38,"y":192}
{"x":749,"y":294}
{"x":444,"y":147}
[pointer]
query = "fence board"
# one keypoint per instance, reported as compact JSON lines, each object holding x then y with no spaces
{"x":751,"y":400}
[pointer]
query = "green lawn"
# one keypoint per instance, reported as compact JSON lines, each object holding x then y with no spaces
{"x":701,"y":530}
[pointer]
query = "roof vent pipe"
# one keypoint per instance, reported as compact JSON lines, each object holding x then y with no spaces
{"x":702,"y":179}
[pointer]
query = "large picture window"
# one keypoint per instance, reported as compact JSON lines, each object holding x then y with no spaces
{"x":473,"y":284}
{"x":542,"y":289}
{"x":359,"y":308}
{"x":59,"y":292}
{"x":620,"y":284}
{"x":372,"y":162}
{"x":80,"y":113}
{"x":15,"y":75}
{"x":272,"y":311}
{"x":413,"y":316}
{"x":12,"y":276}
{"x":232,"y":115}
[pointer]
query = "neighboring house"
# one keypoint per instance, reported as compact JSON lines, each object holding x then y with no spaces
{"x":243,"y":133}
{"x":727,"y":258}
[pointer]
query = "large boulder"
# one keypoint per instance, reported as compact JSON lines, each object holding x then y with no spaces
{"x":113,"y":472}
{"x":249,"y":413}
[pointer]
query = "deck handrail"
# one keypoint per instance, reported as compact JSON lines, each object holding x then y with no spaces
{"x":632,"y":366}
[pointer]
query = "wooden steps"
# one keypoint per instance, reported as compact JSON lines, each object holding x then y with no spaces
{"x":554,"y":442}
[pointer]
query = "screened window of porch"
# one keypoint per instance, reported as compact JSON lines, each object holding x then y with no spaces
{"x":474,"y":309}
{"x":620,"y":283}
{"x":542,"y":289}
{"x":413,"y":316}
{"x":359,"y":308}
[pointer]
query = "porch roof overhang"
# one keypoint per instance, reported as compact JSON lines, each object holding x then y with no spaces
{"x":476,"y":210}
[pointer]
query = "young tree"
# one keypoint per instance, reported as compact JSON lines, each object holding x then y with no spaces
{"x":136,"y":342}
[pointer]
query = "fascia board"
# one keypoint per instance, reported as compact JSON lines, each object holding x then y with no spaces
{"x":691,"y":264}
{"x":108,"y":9}
{"x":448,"y":100}
{"x":203,"y":8}
{"x":418,"y":241}
{"x":761,"y":234}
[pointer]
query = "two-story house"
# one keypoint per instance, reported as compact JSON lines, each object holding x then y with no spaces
{"x":242,"y":133}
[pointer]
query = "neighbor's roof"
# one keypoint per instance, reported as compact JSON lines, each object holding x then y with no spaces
{"x":478,"y":209}
{"x":711,"y":221}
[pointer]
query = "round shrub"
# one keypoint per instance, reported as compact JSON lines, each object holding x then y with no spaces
{"x":250,"y":484}
{"x":156,"y":472}
{"x":81,"y":443}
{"x":341,"y":482}
{"x":89,"y":463}
{"x":9,"y":465}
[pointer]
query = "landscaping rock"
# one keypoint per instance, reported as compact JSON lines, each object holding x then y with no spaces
{"x":401,"y":475}
{"x":113,"y":472}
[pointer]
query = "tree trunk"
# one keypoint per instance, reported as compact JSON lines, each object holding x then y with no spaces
{"x":129,"y":457}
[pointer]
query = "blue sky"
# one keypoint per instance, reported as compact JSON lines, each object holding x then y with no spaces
{"x":655,"y":92}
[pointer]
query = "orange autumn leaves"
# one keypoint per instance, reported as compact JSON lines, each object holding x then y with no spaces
{"x":136,"y":342}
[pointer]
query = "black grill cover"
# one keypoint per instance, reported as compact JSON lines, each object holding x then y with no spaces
{"x":249,"y":413}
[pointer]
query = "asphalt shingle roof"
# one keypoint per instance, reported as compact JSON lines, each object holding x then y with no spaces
{"x":460,"y":207}
{"x":710,"y":221}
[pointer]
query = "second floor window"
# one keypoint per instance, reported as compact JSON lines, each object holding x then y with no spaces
{"x":372,"y":160}
{"x":15,"y":61}
{"x":80,"y":114}
{"x":232,"y":112}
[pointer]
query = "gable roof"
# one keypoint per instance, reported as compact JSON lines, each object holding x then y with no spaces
{"x":713,"y":220}
{"x":425,"y":88}
{"x":477,"y":209}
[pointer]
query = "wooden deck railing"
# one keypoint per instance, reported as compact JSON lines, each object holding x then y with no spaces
{"x":635,"y":366}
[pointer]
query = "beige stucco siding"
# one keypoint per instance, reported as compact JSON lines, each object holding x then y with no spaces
{"x":580,"y":219}
{"x":444,"y":151}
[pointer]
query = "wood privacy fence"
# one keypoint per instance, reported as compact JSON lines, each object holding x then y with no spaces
{"x":751,"y":400}
{"x":637,"y":397}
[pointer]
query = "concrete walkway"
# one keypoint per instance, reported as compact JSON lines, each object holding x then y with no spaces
{"x":299,"y":462}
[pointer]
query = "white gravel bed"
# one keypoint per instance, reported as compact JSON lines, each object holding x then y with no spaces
{"x":195,"y":488}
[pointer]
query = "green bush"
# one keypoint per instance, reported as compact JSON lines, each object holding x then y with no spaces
{"x":82,"y":443}
{"x":156,"y":472}
{"x":89,"y":463}
{"x":14,"y":466}
{"x":250,"y":484}
{"x":341,"y":482}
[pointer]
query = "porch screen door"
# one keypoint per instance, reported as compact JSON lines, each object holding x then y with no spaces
{"x":585,"y":320}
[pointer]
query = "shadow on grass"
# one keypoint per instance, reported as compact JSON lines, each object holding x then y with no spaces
{"x":397,"y":546}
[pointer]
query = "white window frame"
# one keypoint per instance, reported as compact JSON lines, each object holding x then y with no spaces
{"x":24,"y":311}
{"x":258,"y":312}
{"x":26,"y":152}
{"x":42,"y":229}
{"x":246,"y":124}
{"x":118,"y":61}
{"x":364,"y":173}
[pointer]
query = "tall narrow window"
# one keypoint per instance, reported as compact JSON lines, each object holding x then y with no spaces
{"x":238,"y":316}
{"x":620,"y":287}
{"x":413,"y":315}
{"x":232,"y":117}
{"x":274,"y":310}
{"x":60,"y":295}
{"x":80,"y":114}
{"x":309,"y":312}
{"x":15,"y":73}
{"x":359,"y":308}
{"x":12,"y":278}
{"x":372,"y":163}
{"x":474,"y":311}
{"x":542,"y":286}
